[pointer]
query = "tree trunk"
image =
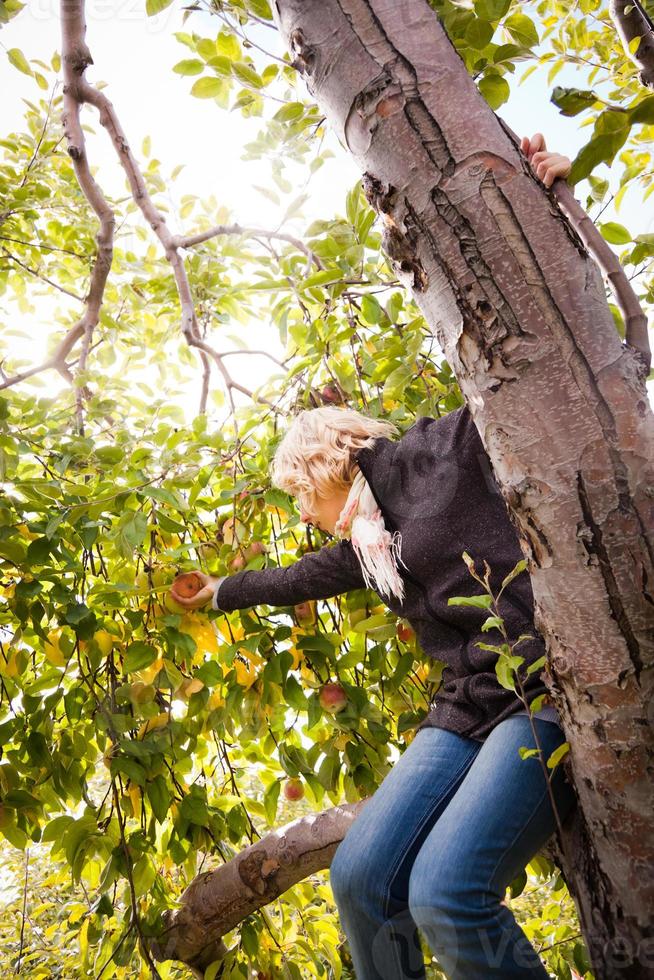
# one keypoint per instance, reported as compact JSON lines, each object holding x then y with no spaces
{"x":519,"y":309}
{"x":520,"y":312}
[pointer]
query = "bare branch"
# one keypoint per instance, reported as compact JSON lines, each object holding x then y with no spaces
{"x":631,"y":22}
{"x":636,"y":332}
{"x":188,"y":241}
{"x":109,"y":120}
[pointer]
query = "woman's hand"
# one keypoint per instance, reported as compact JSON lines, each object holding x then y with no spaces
{"x":546,"y":165}
{"x":204,"y":594}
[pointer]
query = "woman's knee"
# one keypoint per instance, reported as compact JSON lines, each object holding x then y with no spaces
{"x":354,"y":871}
{"x":439,"y":889}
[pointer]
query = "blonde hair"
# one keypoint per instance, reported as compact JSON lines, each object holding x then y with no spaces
{"x":316,"y":456}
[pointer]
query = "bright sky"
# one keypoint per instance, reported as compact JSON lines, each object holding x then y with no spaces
{"x":135,"y":56}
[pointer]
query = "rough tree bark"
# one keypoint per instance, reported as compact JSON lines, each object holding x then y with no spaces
{"x":519,"y":309}
{"x":520,"y":312}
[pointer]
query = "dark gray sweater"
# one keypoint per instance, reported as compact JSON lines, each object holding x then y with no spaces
{"x":436,"y":487}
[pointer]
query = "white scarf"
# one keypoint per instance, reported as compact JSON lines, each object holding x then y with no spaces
{"x":376,"y":548}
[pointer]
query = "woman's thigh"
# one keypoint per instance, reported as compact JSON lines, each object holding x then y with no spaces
{"x":498,"y":818}
{"x":374,"y":859}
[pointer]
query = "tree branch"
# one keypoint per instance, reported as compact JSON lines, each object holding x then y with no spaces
{"x":636,"y":332}
{"x":75,"y":58}
{"x":216,"y":901}
{"x":188,"y":241}
{"x":39,"y":275}
{"x":631,"y":21}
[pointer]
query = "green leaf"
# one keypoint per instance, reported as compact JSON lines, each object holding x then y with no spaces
{"x":371,"y":311}
{"x":522,"y":29}
{"x":644,"y":111}
{"x":493,"y":622}
{"x":19,"y":61}
{"x":159,"y":795}
{"x":270,"y":799}
{"x":138,"y":655}
{"x":189,"y":66}
{"x":207,"y":87}
{"x":246,"y":74}
{"x":194,"y":808}
{"x":600,"y":149}
{"x":515,"y":571}
{"x":572,"y":101}
{"x":614,"y":233}
{"x":478,"y":601}
{"x":495,"y":90}
{"x":504,"y":673}
{"x":153,"y":7}
{"x":558,"y":754}
{"x":537,"y":665}
{"x":478,"y":34}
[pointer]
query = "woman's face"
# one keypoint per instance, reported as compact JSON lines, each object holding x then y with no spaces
{"x":325,"y":511}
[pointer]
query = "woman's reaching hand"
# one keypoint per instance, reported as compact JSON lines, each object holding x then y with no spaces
{"x":180,"y":588}
{"x":546,"y":165}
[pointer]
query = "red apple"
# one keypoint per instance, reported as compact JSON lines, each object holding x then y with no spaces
{"x":332,"y":395}
{"x":186,"y":585}
{"x":405,"y":632}
{"x":332,"y":698}
{"x":293,"y":789}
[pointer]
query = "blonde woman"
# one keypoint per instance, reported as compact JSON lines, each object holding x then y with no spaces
{"x":461,"y":813}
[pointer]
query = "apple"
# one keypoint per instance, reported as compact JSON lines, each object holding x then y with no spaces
{"x":332,"y":395}
{"x":293,"y":789}
{"x":186,"y":585}
{"x":305,"y":612}
{"x":237,"y":563}
{"x":332,"y":698}
{"x":405,"y":632}
{"x":233,"y":532}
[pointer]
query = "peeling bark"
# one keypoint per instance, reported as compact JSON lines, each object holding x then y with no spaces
{"x":518,"y":306}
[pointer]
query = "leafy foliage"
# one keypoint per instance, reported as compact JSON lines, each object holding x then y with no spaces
{"x":138,"y":739}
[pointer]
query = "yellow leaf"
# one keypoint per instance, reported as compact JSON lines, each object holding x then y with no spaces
{"x":9,"y":667}
{"x":159,"y":722}
{"x":245,"y":674}
{"x":52,"y":650}
{"x":136,"y":798}
{"x":148,"y":674}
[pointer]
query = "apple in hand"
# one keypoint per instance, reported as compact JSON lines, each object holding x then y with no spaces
{"x":187,"y":585}
{"x":332,"y":698}
{"x":293,"y":789}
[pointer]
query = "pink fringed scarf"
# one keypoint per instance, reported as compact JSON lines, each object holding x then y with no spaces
{"x":376,"y":548}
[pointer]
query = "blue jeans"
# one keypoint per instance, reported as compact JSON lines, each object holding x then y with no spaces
{"x":451,"y":825}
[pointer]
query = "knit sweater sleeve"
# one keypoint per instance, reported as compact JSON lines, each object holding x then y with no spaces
{"x":319,"y":575}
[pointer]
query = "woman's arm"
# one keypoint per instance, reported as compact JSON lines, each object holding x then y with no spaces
{"x":319,"y":575}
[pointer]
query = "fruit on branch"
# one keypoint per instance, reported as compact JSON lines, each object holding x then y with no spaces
{"x":293,"y":789}
{"x":233,"y":532}
{"x":405,"y":632}
{"x":305,"y":612}
{"x":332,"y":698}
{"x":331,"y":394}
